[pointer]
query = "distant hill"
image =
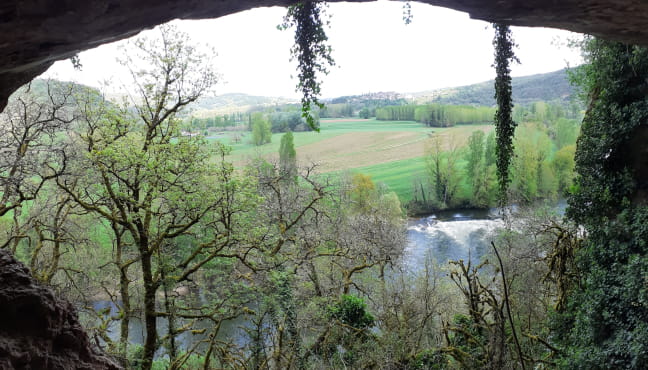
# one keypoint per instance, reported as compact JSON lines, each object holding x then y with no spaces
{"x":553,"y":86}
{"x":385,"y":97}
{"x":235,"y":102}
{"x":549,"y":87}
{"x":40,"y":86}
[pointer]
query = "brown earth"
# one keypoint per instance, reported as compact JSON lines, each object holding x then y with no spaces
{"x":360,"y":149}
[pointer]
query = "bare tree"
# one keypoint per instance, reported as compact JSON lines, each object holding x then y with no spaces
{"x":31,"y":150}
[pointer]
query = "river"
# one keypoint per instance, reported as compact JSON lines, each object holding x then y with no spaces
{"x":450,"y":235}
{"x":443,"y":236}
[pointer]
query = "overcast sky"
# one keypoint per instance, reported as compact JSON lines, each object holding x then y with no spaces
{"x":373,"y":48}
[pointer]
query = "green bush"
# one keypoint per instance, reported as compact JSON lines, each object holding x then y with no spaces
{"x":352,"y":311}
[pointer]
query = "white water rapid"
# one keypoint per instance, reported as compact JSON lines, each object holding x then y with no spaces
{"x":455,"y":236}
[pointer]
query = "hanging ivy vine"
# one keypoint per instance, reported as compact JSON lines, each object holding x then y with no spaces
{"x":407,"y":13}
{"x":312,"y":52}
{"x":504,"y":124}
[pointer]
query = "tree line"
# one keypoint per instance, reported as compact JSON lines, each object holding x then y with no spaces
{"x":464,"y":176}
{"x":436,"y":115}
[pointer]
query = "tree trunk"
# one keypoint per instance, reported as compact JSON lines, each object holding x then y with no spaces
{"x":124,"y":294}
{"x":149,"y":308}
{"x":125,"y":307}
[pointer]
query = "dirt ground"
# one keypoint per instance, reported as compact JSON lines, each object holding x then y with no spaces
{"x":367,"y":148}
{"x":359,"y":149}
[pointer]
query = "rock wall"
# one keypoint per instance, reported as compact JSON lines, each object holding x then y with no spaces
{"x":39,"y":330}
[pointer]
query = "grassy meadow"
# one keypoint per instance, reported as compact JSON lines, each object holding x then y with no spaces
{"x":391,"y":152}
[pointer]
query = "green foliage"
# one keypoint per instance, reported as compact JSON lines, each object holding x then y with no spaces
{"x":566,"y":132}
{"x":436,"y":115}
{"x":504,"y":124}
{"x":525,"y":179}
{"x":337,"y":110}
{"x":443,"y":173}
{"x":261,"y":132}
{"x":311,"y":51}
{"x":290,"y":121}
{"x":430,"y":360}
{"x":477,"y":172}
{"x":396,"y":113}
{"x":362,"y":190}
{"x":475,"y":155}
{"x":563,"y":166}
{"x":352,"y":311}
{"x":616,"y":81}
{"x":604,"y":325}
{"x":220,"y":121}
{"x":490,"y":157}
{"x":287,"y":153}
{"x":467,"y":340}
{"x":30,"y":129}
{"x":545,"y":112}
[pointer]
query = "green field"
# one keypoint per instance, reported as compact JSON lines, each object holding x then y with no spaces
{"x":397,"y":175}
{"x":328,"y":129}
{"x":391,"y":152}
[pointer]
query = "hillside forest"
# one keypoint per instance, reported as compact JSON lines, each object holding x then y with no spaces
{"x":196,"y":239}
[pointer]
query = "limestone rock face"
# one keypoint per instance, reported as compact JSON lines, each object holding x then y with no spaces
{"x":38,"y":330}
{"x":34,"y":34}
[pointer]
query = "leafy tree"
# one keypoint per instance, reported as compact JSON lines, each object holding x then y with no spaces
{"x":525,"y":168}
{"x":563,"y":166}
{"x":436,"y":115}
{"x":287,"y":154}
{"x":539,"y":110}
{"x":338,"y":110}
{"x":50,"y":232}
{"x":261,"y":131}
{"x":544,"y":176}
{"x":362,"y":190}
{"x":443,"y":172}
{"x":477,"y":172}
{"x":287,"y":121}
{"x":150,"y":185}
{"x":566,"y":132}
{"x":490,"y":150}
{"x":475,"y":154}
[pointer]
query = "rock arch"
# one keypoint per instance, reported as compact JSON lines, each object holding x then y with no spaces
{"x":34,"y":34}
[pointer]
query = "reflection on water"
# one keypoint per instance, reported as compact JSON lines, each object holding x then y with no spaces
{"x":231,"y":331}
{"x":444,"y":236}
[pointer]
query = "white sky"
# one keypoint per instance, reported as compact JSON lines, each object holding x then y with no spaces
{"x":374,"y":51}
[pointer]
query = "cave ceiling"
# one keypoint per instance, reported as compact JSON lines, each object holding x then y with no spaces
{"x":36,"y":33}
